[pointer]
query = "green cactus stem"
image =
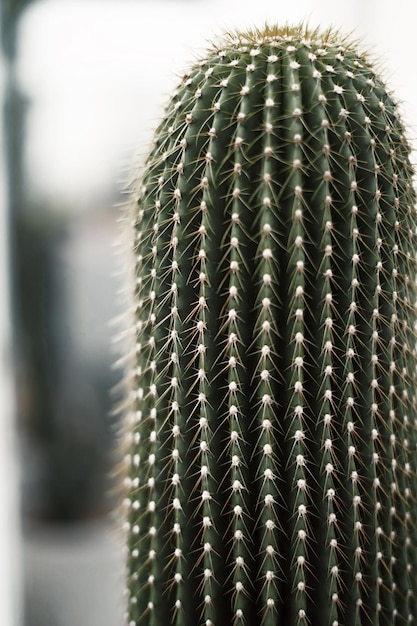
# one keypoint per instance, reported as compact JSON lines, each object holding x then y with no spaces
{"x":273,"y":428}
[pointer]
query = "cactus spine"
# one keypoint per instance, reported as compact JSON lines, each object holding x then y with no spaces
{"x":273,"y":432}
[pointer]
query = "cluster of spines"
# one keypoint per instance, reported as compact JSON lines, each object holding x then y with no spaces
{"x":276,"y":358}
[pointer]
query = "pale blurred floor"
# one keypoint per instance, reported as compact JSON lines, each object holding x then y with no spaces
{"x":74,"y":575}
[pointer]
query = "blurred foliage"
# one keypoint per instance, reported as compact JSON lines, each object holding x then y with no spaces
{"x":63,"y":403}
{"x":63,"y":397}
{"x":10,"y":12}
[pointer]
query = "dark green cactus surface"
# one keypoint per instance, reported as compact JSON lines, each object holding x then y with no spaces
{"x":273,"y":428}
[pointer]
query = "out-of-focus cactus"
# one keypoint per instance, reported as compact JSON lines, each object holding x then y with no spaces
{"x":273,"y":429}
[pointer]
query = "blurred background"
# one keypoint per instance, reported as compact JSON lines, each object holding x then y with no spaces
{"x":82,"y":84}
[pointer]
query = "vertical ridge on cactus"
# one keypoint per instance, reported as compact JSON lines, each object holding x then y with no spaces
{"x":273,"y":446}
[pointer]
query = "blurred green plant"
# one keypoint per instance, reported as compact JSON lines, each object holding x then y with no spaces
{"x":10,"y":12}
{"x":64,"y":398}
{"x":63,"y":409}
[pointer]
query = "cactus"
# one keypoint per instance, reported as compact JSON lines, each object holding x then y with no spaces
{"x":273,"y":424}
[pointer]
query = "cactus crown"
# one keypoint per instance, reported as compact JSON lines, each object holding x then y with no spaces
{"x":273,"y":432}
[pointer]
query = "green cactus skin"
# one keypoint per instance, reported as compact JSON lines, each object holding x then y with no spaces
{"x":273,"y":428}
